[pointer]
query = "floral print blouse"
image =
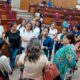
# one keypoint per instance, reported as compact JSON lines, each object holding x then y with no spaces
{"x":65,"y":59}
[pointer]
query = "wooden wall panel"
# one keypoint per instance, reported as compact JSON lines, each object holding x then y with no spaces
{"x":69,"y":3}
{"x":65,"y":3}
{"x":24,"y":4}
{"x":35,"y":1}
{"x":58,"y":3}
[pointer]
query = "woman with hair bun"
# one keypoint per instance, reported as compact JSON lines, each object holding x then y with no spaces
{"x":36,"y":63}
{"x":65,"y":57}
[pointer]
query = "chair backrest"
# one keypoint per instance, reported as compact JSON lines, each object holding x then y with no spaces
{"x":57,"y":17}
{"x":3,"y":17}
{"x":11,"y":15}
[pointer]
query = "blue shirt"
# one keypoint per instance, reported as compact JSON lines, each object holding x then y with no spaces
{"x":50,"y":4}
{"x":48,"y":43}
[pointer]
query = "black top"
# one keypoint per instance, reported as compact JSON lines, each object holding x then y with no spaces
{"x":14,"y":39}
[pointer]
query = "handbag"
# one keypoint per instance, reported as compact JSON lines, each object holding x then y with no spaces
{"x":51,"y":74}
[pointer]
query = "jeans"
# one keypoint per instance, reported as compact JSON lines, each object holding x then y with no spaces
{"x":12,"y":54}
{"x":48,"y":54}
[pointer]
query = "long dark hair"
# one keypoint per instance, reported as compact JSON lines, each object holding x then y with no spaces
{"x":40,"y":36}
{"x":40,"y":25}
{"x":21,"y":24}
{"x":33,"y":50}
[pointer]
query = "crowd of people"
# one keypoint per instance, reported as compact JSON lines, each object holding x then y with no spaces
{"x":36,"y":45}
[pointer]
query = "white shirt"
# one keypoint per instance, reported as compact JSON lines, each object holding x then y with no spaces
{"x":21,"y":29}
{"x":52,"y":33}
{"x":34,"y":70}
{"x":59,"y":36}
{"x":36,"y":32}
{"x":1,"y":30}
{"x":37,"y":14}
{"x":27,"y":35}
{"x":4,"y":64}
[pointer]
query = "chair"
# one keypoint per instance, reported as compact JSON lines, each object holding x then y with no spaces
{"x":11,"y":15}
{"x":6,"y":7}
{"x":3,"y":17}
{"x":57,"y":17}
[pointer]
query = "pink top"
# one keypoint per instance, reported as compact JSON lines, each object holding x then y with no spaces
{"x":34,"y":70}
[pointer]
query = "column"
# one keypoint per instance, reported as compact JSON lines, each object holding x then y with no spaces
{"x":15,"y":3}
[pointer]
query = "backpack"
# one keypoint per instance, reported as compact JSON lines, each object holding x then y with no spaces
{"x":4,"y":74}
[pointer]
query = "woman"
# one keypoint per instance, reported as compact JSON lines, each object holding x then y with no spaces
{"x":37,"y":29}
{"x":53,"y":32}
{"x":39,"y":16}
{"x":35,"y":61}
{"x":13,"y":40}
{"x":59,"y":39}
{"x":65,"y":23}
{"x":21,"y":27}
{"x":46,"y":42}
{"x":65,"y":58}
{"x":26,"y":36}
{"x":76,"y":31}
